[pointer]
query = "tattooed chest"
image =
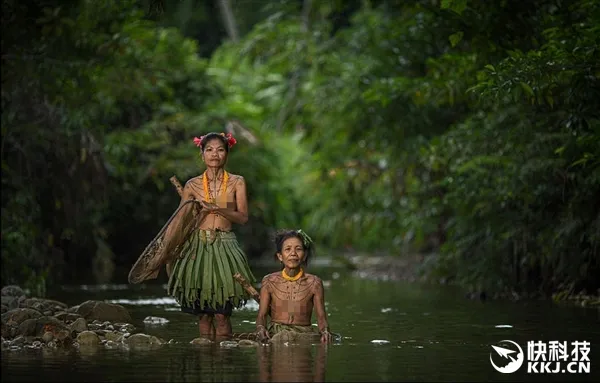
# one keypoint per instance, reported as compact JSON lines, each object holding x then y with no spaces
{"x":292,"y":291}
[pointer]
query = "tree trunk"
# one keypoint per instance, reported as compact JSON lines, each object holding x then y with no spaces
{"x":229,"y":20}
{"x":283,"y":113}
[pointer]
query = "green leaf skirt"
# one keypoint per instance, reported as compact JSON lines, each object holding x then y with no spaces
{"x":202,"y":277}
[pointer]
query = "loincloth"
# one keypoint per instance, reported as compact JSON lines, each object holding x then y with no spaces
{"x":275,"y":328}
{"x":202,"y":277}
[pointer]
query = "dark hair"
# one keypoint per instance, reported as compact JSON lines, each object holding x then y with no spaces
{"x":283,"y":234}
{"x":211,"y":136}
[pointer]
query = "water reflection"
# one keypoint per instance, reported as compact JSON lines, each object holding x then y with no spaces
{"x":388,"y":336}
{"x":212,"y":363}
{"x":297,"y":363}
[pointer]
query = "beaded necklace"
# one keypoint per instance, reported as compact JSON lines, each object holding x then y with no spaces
{"x":208,"y":197}
{"x":294,"y":278}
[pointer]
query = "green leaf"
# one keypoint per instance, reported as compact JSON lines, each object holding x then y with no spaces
{"x":550,"y":100}
{"x":491,"y":68}
{"x":457,"y":6}
{"x":527,"y":89}
{"x":455,"y":38}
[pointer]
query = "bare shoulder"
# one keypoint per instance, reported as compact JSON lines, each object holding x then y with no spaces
{"x":233,"y":176}
{"x":194,"y":181}
{"x":270,"y":279}
{"x":236,"y":179}
{"x":274,"y":275}
{"x":313,"y":280}
{"x":194,"y":186}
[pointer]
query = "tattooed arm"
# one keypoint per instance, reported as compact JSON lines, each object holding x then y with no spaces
{"x":263,"y":308}
{"x":319,"y":304}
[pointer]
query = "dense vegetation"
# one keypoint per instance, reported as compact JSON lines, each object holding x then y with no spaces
{"x":465,"y":130}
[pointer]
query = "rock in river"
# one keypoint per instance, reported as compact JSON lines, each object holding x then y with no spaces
{"x":29,"y":322}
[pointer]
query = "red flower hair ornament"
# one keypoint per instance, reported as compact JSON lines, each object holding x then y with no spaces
{"x":228,"y":137}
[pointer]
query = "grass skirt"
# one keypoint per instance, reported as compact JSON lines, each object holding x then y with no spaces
{"x":202,"y":278}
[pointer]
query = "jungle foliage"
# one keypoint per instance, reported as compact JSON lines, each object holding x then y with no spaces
{"x":465,"y":130}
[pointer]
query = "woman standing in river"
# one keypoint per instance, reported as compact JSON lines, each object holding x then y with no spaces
{"x":197,"y":245}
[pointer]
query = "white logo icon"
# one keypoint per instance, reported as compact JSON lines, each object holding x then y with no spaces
{"x":505,"y":353}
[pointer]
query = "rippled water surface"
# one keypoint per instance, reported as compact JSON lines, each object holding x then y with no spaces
{"x":391,"y":332}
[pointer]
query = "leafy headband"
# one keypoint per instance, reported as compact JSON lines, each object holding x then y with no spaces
{"x":305,"y":238}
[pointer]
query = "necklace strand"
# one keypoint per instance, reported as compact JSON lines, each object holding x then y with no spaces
{"x":208,"y":197}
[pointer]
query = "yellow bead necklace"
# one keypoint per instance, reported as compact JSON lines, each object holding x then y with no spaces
{"x":292,"y":279}
{"x":207,"y":196}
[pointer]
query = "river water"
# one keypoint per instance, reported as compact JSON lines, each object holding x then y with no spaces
{"x":390,"y":332}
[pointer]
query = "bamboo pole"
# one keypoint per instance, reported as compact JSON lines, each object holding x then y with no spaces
{"x":177,"y":185}
{"x":247,"y":286}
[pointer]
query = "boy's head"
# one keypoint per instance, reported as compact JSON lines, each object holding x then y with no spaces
{"x":294,"y":247}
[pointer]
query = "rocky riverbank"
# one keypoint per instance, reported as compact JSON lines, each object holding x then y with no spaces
{"x":411,"y":268}
{"x":387,"y":268}
{"x":36,"y":323}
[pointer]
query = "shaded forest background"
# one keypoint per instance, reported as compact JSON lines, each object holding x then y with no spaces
{"x":464,"y":130}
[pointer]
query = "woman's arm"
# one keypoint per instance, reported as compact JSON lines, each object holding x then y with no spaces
{"x":263,"y":308}
{"x":319,"y":304}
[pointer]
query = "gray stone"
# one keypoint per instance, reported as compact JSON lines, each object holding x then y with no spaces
{"x":79,"y":325}
{"x":13,"y":291}
{"x":88,"y":338}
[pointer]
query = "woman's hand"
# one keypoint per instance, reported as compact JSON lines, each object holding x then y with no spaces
{"x":211,"y":207}
{"x":262,"y":333}
{"x":326,"y":336}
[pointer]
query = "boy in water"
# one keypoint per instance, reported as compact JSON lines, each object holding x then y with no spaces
{"x":289,"y":296}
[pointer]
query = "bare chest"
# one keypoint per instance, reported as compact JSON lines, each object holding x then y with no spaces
{"x":222,"y":194}
{"x":297,"y":291}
